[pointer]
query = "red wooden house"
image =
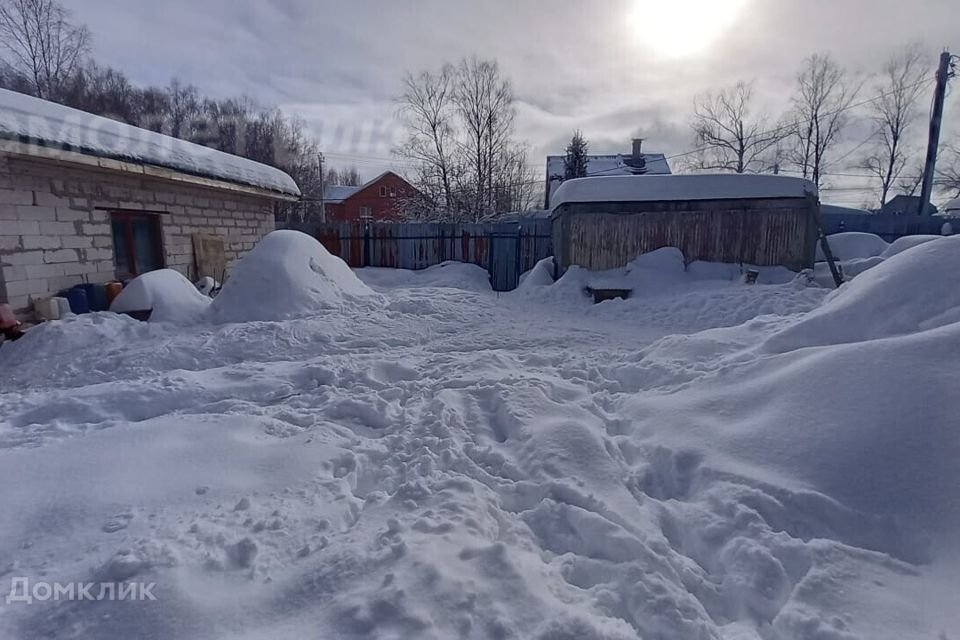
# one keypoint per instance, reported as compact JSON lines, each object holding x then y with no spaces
{"x":379,"y":200}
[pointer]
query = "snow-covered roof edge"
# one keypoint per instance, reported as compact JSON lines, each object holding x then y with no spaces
{"x":33,"y":121}
{"x":657,"y":188}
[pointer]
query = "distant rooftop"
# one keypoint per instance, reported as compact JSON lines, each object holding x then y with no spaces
{"x":32,"y":121}
{"x":616,"y":164}
{"x":904,"y":205}
{"x":337,"y":193}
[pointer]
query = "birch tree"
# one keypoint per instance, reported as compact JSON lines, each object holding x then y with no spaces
{"x":893,"y":113}
{"x":42,"y":43}
{"x":465,"y":162}
{"x":824,"y":95}
{"x":729,"y":135}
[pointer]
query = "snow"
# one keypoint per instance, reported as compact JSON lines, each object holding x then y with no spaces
{"x":708,"y":459}
{"x":913,"y":291}
{"x":906,"y":242}
{"x":24,"y":118}
{"x":170,"y":295}
{"x":287,"y":275}
{"x":857,"y":252}
{"x":853,"y":245}
{"x":680,"y":187}
{"x":540,"y":276}
{"x":607,"y":165}
{"x":453,"y":275}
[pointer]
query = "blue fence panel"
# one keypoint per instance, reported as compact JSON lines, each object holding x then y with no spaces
{"x":888,"y":227}
{"x":505,"y":250}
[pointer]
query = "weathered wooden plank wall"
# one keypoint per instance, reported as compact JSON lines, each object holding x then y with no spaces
{"x":505,"y":250}
{"x":759,"y":232}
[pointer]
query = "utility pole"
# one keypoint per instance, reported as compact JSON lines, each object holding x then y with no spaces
{"x":323,"y":209}
{"x":943,"y":73}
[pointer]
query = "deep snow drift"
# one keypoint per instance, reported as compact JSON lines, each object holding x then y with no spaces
{"x":456,"y":275}
{"x":705,"y":461}
{"x":287,"y":275}
{"x":857,"y":253}
{"x":170,"y":296}
{"x":912,"y":291}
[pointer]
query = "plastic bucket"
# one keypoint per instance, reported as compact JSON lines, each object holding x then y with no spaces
{"x":77,"y":297}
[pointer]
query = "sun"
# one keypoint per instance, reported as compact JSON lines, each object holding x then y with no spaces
{"x":682,"y":28}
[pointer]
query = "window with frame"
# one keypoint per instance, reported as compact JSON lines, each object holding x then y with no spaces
{"x":137,"y":245}
{"x":383,"y":192}
{"x":366,"y":213}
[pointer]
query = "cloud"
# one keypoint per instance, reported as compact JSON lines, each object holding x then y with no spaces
{"x":574,"y":64}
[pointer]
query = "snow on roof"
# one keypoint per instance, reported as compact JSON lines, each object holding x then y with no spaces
{"x":34,"y":121}
{"x":727,"y":186}
{"x":335,"y":194}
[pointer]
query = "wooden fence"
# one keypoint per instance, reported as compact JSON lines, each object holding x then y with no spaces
{"x":888,"y":227}
{"x":505,"y":250}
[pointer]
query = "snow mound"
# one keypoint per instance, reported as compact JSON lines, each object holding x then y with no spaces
{"x":906,"y":242}
{"x":852,"y":245}
{"x":867,"y":424}
{"x":913,"y":291}
{"x":171,"y":297}
{"x":446,"y":275}
{"x":287,"y":275}
{"x":540,"y":276}
{"x":72,"y":335}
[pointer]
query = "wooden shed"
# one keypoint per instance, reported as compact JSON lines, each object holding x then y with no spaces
{"x":763,"y":220}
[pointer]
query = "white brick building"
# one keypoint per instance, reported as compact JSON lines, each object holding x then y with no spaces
{"x":84,"y":199}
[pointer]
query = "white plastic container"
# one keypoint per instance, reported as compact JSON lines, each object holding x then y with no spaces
{"x":47,"y":308}
{"x":64,"y":306}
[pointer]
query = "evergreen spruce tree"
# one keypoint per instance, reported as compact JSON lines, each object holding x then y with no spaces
{"x":575,"y":164}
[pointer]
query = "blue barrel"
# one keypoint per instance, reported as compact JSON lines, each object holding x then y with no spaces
{"x":96,"y":296}
{"x":77,"y":298}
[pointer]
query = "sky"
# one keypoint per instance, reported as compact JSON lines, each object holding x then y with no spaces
{"x":613,"y":68}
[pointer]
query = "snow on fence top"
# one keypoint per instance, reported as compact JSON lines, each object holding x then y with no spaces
{"x":728,"y":186}
{"x":35,"y":121}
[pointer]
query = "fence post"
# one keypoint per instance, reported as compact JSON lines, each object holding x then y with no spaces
{"x":365,"y":260}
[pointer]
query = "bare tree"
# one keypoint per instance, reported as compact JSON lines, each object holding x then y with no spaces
{"x":893,"y":112}
{"x":909,"y":183}
{"x":731,"y":138}
{"x":42,"y":43}
{"x":348,"y":177}
{"x":484,"y":102}
{"x":426,"y":109}
{"x":460,"y":125}
{"x":184,"y":108}
{"x":824,"y":96}
{"x":948,"y":172}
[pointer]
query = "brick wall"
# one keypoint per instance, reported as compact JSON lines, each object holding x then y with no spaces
{"x":55,"y":223}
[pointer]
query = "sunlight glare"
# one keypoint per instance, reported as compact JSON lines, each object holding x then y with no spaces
{"x":682,"y":28}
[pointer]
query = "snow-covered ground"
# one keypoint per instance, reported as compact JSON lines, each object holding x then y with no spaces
{"x":706,"y":460}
